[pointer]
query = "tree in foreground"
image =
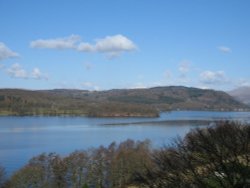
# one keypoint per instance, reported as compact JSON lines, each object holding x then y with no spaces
{"x":104,"y":167}
{"x":217,"y":156}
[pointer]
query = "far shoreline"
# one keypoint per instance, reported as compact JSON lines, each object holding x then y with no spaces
{"x":117,"y":115}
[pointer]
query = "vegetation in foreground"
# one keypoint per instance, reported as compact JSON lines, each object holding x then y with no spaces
{"x":213,"y":157}
{"x":114,"y":103}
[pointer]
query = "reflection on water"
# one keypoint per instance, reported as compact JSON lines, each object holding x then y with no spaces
{"x":23,"y":137}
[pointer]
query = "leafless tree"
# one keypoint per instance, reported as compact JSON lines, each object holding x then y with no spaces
{"x":217,"y":156}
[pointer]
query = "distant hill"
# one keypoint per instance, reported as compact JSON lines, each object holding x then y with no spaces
{"x":242,"y":94}
{"x":114,"y":103}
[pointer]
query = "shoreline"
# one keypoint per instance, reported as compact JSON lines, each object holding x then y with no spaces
{"x":171,"y":122}
{"x":116,"y":115}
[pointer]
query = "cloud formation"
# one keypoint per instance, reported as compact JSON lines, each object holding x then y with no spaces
{"x":138,"y":85}
{"x":17,"y":71}
{"x":36,"y":74}
{"x":243,"y":83}
{"x":184,"y":67}
{"x":112,"y":46}
{"x":224,"y":49}
{"x":6,"y":53}
{"x":210,"y":77}
{"x":57,"y":43}
{"x":90,"y":86}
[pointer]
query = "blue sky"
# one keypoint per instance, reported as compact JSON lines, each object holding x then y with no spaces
{"x":99,"y":45}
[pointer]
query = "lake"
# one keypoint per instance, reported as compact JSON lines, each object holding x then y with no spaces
{"x":24,"y":137}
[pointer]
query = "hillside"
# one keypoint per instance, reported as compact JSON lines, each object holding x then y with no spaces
{"x":114,"y":103}
{"x":242,"y":94}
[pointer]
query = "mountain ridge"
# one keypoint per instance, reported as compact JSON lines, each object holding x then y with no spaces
{"x":242,"y":94}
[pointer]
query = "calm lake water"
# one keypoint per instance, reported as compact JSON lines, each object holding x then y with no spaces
{"x":24,"y":137}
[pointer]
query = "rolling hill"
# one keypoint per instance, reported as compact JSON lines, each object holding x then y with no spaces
{"x":114,"y":103}
{"x":242,"y":94}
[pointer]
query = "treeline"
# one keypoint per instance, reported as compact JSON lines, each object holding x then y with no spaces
{"x":212,"y":157}
{"x":112,"y":166}
{"x":53,"y":104}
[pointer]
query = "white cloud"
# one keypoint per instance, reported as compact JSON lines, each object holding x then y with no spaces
{"x":87,"y":84}
{"x":203,"y":87}
{"x":216,"y":77}
{"x":90,"y":86}
{"x":243,"y":83}
{"x":85,"y":47}
{"x":184,"y":67}
{"x":141,"y":85}
{"x":111,"y":45}
{"x":57,"y":43}
{"x":224,"y":49}
{"x":1,"y":66}
{"x":17,"y":71}
{"x":36,"y":74}
{"x":6,"y":53}
{"x":116,"y":43}
{"x":138,"y":85}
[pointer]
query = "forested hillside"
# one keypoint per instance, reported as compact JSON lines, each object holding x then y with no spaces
{"x":114,"y":103}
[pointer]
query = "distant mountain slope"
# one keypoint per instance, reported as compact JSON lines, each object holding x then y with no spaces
{"x":242,"y":94}
{"x":122,"y":102}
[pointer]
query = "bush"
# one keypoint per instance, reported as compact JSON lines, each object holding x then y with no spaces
{"x":217,"y":156}
{"x":104,"y":167}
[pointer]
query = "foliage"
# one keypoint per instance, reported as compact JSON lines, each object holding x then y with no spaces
{"x":211,"y":157}
{"x":114,"y":167}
